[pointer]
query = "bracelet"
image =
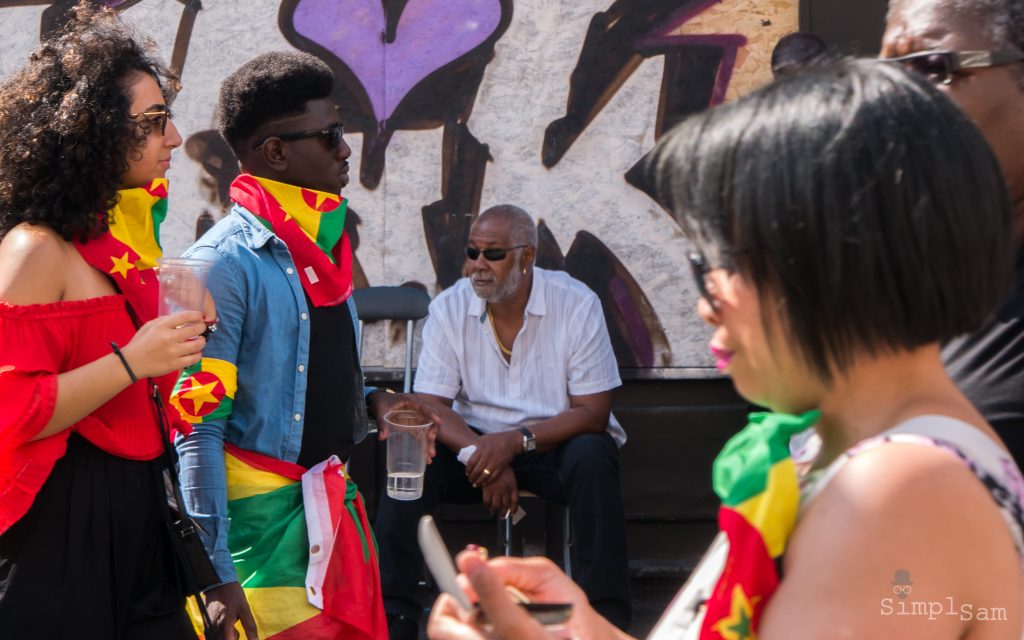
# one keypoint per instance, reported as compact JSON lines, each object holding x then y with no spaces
{"x":124,"y":361}
{"x":210,"y":330}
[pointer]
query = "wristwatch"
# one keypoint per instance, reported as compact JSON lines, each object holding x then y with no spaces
{"x":529,"y":440}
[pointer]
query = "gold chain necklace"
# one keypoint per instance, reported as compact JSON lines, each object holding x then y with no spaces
{"x":505,"y":351}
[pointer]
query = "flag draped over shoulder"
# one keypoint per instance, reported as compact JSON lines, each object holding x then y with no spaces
{"x":303,"y":549}
{"x":312,"y":225}
{"x":756,"y":479}
{"x":130,"y":247}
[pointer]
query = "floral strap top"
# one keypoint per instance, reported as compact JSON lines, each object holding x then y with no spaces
{"x":989,"y":462}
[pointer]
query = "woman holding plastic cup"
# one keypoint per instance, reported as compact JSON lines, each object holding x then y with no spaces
{"x":846,"y":220}
{"x":85,"y":141}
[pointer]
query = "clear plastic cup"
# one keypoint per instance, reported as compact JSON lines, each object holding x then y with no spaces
{"x":407,"y":453}
{"x":182,"y":284}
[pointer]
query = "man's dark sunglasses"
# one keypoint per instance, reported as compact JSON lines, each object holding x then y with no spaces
{"x":332,"y":135}
{"x":158,"y":117}
{"x":942,"y":67}
{"x":493,"y":254}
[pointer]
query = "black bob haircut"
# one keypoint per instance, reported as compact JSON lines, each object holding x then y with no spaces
{"x":858,"y":201}
{"x":270,"y":86}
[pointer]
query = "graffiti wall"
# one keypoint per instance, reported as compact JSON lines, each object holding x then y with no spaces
{"x":452,"y":106}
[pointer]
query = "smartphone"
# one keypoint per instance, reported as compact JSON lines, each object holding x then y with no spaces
{"x":435,"y":553}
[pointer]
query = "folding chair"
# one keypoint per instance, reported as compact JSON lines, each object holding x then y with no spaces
{"x":396,"y":304}
{"x":505,"y":534}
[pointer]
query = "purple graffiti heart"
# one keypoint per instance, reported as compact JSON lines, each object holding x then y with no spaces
{"x":430,"y":34}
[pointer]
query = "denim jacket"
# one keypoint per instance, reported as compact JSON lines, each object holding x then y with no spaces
{"x":263,"y":331}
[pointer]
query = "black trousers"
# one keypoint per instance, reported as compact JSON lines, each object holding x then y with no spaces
{"x":92,"y":557}
{"x":582,"y":473}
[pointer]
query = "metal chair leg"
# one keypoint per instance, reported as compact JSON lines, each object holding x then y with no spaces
{"x":409,"y":339}
{"x":567,"y":543}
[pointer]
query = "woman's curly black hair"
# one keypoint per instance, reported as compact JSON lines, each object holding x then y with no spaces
{"x":65,"y":130}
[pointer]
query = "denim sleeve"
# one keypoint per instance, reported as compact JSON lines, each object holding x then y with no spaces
{"x":203,"y":475}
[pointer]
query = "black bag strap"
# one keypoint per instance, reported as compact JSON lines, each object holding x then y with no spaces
{"x":171,"y":466}
{"x":171,"y":473}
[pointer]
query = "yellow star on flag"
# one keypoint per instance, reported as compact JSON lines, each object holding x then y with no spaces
{"x":122,"y":265}
{"x":321,"y":197}
{"x":739,"y":624}
{"x":200,"y":395}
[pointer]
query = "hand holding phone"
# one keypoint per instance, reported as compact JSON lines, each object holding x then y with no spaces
{"x":435,"y":553}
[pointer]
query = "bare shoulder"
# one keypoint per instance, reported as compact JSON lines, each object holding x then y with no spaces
{"x":33,"y":261}
{"x":898,"y":508}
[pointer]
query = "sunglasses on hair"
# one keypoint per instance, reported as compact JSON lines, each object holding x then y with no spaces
{"x":332,"y":135}
{"x":157,"y":117}
{"x":493,"y":254}
{"x":942,"y":67}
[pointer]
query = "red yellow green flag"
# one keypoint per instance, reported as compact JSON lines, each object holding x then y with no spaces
{"x":303,"y":549}
{"x":312,"y":225}
{"x":130,"y":247}
{"x":756,"y":479}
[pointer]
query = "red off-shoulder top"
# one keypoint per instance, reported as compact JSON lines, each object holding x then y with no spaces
{"x":38,"y":342}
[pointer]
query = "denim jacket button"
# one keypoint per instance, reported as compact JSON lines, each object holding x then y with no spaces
{"x":304,"y":316}
{"x":289,"y":271}
{"x":302,"y":368}
{"x":298,"y":416}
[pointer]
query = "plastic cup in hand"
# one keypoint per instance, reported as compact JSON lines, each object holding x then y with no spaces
{"x":407,"y":453}
{"x":182,"y":284}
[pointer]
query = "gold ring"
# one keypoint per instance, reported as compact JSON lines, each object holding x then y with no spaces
{"x":487,"y":472}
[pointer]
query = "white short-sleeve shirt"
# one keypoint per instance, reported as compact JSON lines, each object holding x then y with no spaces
{"x":562,"y":349}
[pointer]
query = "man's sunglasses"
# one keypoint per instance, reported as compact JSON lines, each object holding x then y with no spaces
{"x":332,"y":135}
{"x":491,"y":255}
{"x":157,"y":117}
{"x":942,"y":67}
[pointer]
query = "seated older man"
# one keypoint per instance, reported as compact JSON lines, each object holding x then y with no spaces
{"x":522,"y":355}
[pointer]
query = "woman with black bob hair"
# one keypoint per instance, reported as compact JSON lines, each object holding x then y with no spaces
{"x":846,"y":221}
{"x":85,"y":141}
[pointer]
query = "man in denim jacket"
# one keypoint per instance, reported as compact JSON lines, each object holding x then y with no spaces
{"x":281,"y":376}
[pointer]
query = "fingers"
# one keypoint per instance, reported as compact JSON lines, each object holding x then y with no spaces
{"x":209,"y":309}
{"x":185,"y":317}
{"x":248,"y":623}
{"x":509,"y":619}
{"x":449,"y":622}
{"x":513,"y":502}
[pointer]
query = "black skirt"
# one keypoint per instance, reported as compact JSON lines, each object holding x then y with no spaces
{"x":92,"y":557}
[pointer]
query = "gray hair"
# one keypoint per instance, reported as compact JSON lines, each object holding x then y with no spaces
{"x":522,"y":229}
{"x":1001,"y":20}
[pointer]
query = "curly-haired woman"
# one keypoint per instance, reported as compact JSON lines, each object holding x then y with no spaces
{"x":85,"y":140}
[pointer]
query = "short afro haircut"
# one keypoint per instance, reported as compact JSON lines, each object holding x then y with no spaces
{"x":270,"y":86}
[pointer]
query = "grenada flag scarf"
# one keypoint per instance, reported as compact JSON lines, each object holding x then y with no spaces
{"x":312,"y":226}
{"x":757,"y":481}
{"x":129,"y":248}
{"x":303,"y":549}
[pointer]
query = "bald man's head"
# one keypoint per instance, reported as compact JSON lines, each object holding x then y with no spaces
{"x":522,"y":229}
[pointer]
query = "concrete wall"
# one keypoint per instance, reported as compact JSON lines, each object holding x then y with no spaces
{"x":452,"y":106}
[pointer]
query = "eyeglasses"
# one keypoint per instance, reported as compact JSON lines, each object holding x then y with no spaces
{"x":158,"y":117}
{"x":700,"y":269}
{"x":493,"y":254}
{"x":942,"y":67}
{"x":332,"y":135}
